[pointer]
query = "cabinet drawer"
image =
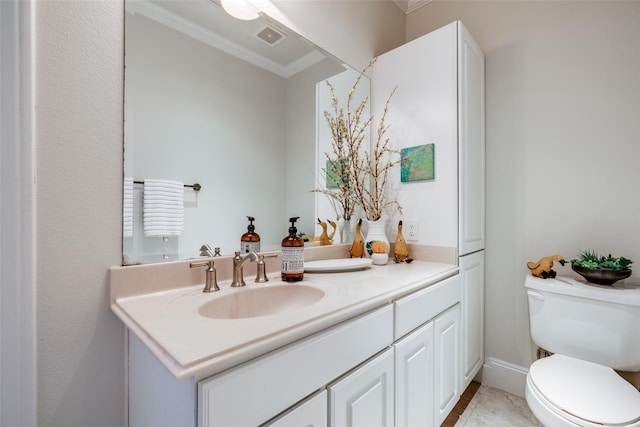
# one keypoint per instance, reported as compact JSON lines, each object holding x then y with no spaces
{"x":418,"y":308}
{"x":310,"y":413}
{"x":260,"y":389}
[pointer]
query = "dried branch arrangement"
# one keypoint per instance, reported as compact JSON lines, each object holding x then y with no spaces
{"x":360,"y":174}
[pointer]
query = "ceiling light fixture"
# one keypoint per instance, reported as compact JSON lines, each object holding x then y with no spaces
{"x":240,"y":9}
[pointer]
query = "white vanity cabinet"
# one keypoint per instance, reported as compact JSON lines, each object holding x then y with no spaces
{"x":427,"y":359}
{"x":397,"y":365}
{"x":253,"y":393}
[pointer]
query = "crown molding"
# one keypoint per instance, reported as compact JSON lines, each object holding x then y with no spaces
{"x":178,"y":23}
{"x":408,"y":6}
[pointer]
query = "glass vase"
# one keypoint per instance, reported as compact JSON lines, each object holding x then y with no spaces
{"x":346,"y":233}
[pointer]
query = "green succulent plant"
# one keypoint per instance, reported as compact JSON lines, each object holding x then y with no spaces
{"x":591,"y":259}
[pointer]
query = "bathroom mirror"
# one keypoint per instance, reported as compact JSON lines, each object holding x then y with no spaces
{"x":231,"y":105}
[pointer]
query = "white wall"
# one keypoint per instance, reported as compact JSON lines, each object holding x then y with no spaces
{"x":563,"y":102}
{"x":78,"y":133}
{"x":79,"y":60}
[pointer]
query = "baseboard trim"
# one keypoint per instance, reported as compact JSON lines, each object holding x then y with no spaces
{"x":504,"y":376}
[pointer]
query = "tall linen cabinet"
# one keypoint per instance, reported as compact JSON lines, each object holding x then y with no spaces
{"x":439,"y":99}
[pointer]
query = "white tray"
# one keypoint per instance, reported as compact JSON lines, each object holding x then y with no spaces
{"x":336,"y":265}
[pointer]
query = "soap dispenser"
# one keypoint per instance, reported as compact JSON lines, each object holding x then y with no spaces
{"x":250,"y":241}
{"x":292,"y":254}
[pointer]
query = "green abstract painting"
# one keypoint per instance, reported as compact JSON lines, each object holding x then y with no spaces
{"x":417,"y":163}
{"x":333,"y":171}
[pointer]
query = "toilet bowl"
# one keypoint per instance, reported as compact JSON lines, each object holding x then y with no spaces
{"x":565,"y":391}
{"x":591,"y":330}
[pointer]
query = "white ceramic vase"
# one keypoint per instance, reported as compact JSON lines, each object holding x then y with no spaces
{"x":376,"y":231}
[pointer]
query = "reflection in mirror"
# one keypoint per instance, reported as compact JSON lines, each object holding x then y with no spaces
{"x":230,"y":105}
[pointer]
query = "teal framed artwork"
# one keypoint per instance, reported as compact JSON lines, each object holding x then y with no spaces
{"x":417,"y":163}
{"x":334,"y":174}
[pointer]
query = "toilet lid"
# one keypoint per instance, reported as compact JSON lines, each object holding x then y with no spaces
{"x":586,"y":390}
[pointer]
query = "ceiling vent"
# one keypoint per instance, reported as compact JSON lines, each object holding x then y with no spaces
{"x":271,"y":36}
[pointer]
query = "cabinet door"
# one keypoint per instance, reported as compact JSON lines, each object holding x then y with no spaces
{"x":414,"y":378}
{"x":471,"y":166}
{"x":274,"y":382}
{"x":472,"y":272}
{"x":311,"y":413}
{"x":364,"y":398}
{"x":447,"y":362}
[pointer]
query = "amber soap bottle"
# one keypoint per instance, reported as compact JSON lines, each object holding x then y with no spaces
{"x":292,"y":254}
{"x":250,"y":241}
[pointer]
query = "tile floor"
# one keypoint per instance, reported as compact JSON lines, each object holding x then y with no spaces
{"x":491,"y":407}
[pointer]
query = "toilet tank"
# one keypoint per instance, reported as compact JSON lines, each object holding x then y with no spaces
{"x":590,"y":322}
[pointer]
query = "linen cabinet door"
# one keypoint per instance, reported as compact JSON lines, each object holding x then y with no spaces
{"x":414,"y":378}
{"x":364,"y":398}
{"x":447,"y":362}
{"x":471,"y":144}
{"x":472,"y":272}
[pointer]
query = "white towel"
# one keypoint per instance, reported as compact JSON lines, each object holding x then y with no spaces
{"x":163,"y":208}
{"x":127,"y":208}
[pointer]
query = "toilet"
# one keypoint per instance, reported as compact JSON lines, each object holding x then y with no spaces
{"x":591,"y":330}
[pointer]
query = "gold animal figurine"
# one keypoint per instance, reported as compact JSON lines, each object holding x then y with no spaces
{"x":357,"y":247}
{"x":335,"y":227}
{"x":544,"y":267}
{"x":401,"y":251}
{"x":323,"y":239}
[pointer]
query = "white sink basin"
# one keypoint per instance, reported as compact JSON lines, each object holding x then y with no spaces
{"x":262,"y":301}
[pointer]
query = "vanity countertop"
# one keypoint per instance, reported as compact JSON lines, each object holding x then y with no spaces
{"x":191,"y":345}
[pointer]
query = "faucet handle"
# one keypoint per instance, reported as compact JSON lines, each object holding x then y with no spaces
{"x":261,"y":276}
{"x":211,"y":282}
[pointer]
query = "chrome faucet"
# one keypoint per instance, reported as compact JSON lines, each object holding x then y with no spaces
{"x":211,"y":283}
{"x":238,"y":263}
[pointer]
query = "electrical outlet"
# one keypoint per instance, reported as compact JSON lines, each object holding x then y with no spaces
{"x":412,"y":230}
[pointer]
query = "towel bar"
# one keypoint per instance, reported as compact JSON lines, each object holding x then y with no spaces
{"x":196,"y":186}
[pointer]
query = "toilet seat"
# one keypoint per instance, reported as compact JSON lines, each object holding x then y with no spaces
{"x":583,"y":393}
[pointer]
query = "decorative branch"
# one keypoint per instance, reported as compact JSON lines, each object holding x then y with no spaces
{"x":361,"y":175}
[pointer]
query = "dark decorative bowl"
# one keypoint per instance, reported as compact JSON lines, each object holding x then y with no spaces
{"x":601,"y":277}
